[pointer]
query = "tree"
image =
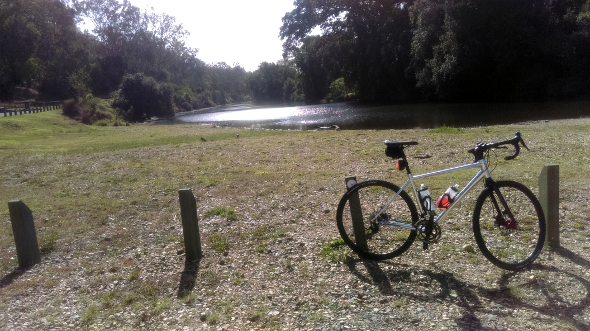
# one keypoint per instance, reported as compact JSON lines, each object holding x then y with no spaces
{"x":38,"y":45}
{"x":488,"y":50}
{"x":140,"y":98}
{"x":273,"y":83}
{"x":365,"y":42}
{"x":134,"y":41}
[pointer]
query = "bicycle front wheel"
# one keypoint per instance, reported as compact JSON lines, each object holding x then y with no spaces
{"x":372,"y":225}
{"x":509,"y":225}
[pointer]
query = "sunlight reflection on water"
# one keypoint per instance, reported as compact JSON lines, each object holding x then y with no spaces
{"x":401,"y":116}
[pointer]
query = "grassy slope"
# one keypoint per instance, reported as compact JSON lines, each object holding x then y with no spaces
{"x":88,"y":181}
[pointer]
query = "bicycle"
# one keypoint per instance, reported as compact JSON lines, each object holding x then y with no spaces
{"x":383,"y":222}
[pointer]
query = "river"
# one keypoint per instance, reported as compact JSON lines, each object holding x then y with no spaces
{"x":399,"y":116}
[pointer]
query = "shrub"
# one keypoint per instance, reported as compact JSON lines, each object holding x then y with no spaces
{"x":140,"y":98}
{"x":88,"y":110}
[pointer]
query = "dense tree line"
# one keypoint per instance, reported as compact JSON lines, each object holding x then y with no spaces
{"x":374,"y":50}
{"x":459,"y":50}
{"x":129,"y":55}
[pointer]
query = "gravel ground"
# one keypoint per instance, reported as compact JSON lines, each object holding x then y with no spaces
{"x":270,"y":272}
{"x":288,"y":285}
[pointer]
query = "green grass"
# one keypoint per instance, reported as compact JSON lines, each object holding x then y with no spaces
{"x":335,"y":251}
{"x":227,"y":212}
{"x":446,"y":129}
{"x":218,"y":242}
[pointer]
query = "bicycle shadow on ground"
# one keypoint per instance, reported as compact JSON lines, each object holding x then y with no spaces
{"x":554,"y":293}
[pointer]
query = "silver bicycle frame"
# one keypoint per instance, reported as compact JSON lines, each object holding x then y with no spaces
{"x":483,"y":172}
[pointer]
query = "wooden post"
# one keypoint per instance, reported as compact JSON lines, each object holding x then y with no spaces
{"x":25,"y":237}
{"x":356,"y":213}
{"x":549,"y":198}
{"x":190,"y":225}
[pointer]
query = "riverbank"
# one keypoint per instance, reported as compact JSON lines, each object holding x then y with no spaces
{"x":106,"y":210}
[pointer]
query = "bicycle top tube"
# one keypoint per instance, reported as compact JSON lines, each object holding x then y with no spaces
{"x":481,"y":164}
{"x":483,"y":172}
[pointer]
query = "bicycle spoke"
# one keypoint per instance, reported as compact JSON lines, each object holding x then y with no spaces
{"x":380,"y":219}
{"x":513,"y":237}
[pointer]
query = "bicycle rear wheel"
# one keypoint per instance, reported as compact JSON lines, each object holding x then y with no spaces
{"x":509,"y":235}
{"x":383,"y":239}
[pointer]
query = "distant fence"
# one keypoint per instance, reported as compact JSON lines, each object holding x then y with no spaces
{"x":31,"y":107}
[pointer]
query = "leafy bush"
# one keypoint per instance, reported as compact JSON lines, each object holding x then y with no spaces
{"x":184,"y":97}
{"x":140,"y":98}
{"x":203,"y":100}
{"x":337,"y":91}
{"x":88,"y":110}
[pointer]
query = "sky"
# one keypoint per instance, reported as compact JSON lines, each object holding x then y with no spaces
{"x":244,"y":32}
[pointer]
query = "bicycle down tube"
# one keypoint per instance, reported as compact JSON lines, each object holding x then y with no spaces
{"x":483,"y":172}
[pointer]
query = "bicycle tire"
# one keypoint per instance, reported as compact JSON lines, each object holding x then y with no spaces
{"x":383,"y":241}
{"x":511,"y":246}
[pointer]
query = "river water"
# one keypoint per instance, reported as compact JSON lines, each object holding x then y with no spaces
{"x":399,"y":116}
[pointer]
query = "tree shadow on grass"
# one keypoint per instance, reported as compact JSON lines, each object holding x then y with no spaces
{"x":188,"y":278}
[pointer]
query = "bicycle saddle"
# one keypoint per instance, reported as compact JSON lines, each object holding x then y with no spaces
{"x":390,"y":143}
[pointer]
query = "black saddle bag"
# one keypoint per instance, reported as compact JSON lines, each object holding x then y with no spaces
{"x":395,"y":152}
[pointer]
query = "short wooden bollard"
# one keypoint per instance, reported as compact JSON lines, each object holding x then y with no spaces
{"x":25,"y":237}
{"x":549,"y":198}
{"x":356,"y":214}
{"x":190,"y":225}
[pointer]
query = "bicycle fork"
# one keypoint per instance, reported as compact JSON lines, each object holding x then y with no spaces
{"x":504,"y":216}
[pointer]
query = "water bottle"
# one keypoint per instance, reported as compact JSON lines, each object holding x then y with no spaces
{"x":425,"y":198}
{"x":448,"y":197}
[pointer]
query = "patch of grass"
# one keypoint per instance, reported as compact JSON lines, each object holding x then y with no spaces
{"x":516,"y":291}
{"x":188,"y":299}
{"x":262,"y":247}
{"x":446,"y":129}
{"x":265,"y":232}
{"x":134,"y":275}
{"x":257,"y":314}
{"x":335,"y":251}
{"x":47,"y":241}
{"x":227,"y":212}
{"x":218,"y":242}
{"x":261,"y":232}
{"x":579,"y":224}
{"x":213,"y":318}
{"x":210,"y":277}
{"x":161,"y":305}
{"x":89,"y":314}
{"x":109,"y":299}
